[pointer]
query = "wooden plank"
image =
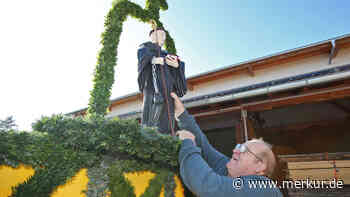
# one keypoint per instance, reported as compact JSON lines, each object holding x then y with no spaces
{"x":138,"y":96}
{"x":320,"y":174}
{"x":314,"y":96}
{"x":298,"y":99}
{"x":278,"y":60}
{"x":315,"y":157}
{"x":190,"y":86}
{"x":251,"y":71}
{"x":318,"y":164}
{"x":305,"y":125}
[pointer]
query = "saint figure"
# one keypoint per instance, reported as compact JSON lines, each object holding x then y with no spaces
{"x":159,"y":74}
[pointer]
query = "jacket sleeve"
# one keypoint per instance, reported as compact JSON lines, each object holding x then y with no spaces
{"x":180,"y":80}
{"x":204,"y":182}
{"x":144,"y":57}
{"x":215,"y":159}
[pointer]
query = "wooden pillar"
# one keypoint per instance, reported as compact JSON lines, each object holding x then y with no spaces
{"x":244,"y":123}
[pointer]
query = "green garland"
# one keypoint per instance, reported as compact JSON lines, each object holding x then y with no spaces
{"x":107,"y":58}
{"x":60,"y":146}
{"x":102,"y":137}
{"x":53,"y":163}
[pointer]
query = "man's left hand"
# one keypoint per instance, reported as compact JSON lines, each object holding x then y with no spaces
{"x":184,"y":134}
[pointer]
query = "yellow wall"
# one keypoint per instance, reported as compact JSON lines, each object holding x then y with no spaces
{"x":10,"y":177}
{"x":74,"y":187}
{"x":140,"y":181}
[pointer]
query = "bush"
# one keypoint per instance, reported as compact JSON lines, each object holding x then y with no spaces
{"x":60,"y":146}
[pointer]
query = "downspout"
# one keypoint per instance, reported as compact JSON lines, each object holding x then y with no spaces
{"x":332,"y":53}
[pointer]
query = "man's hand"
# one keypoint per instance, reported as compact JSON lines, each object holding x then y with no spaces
{"x":179,"y":107}
{"x":171,"y":60}
{"x":158,"y":60}
{"x":184,"y":134}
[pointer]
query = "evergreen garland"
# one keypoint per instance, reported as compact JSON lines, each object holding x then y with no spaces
{"x":107,"y":57}
{"x":54,"y":165}
{"x":60,"y":146}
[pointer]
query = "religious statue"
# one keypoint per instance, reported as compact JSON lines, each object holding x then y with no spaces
{"x":159,"y":74}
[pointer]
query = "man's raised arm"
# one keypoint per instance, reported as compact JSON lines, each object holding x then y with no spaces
{"x":215,"y":159}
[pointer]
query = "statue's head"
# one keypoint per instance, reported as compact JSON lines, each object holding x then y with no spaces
{"x":158,"y":36}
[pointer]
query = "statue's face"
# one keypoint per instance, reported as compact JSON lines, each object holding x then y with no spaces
{"x":158,"y":37}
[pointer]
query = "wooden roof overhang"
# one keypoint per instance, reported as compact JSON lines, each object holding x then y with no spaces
{"x":329,"y":47}
{"x":325,"y":92}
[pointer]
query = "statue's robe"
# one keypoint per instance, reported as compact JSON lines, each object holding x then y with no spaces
{"x":155,"y":110}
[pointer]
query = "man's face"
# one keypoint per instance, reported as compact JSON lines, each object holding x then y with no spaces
{"x":242,"y":164}
{"x":158,"y":37}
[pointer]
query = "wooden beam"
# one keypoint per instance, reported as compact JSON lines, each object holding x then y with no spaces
{"x":292,"y":58}
{"x":277,"y":60}
{"x":138,"y":96}
{"x":244,"y":115}
{"x":304,"y":125}
{"x":314,"y":96}
{"x":340,"y":106}
{"x":320,"y":170}
{"x":320,"y":164}
{"x":315,"y":157}
{"x":321,"y":174}
{"x":250,"y":70}
{"x":190,"y":86}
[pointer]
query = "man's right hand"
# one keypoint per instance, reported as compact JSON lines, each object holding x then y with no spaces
{"x":179,"y":106}
{"x":184,"y":134}
{"x":158,"y":60}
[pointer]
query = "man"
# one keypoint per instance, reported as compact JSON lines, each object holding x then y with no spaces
{"x":156,"y":85}
{"x":208,"y":173}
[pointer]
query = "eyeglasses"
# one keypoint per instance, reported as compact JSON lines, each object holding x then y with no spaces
{"x":244,"y":148}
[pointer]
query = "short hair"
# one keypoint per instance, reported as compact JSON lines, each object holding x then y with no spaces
{"x":260,"y":140}
{"x":270,"y":162}
{"x":158,"y":28}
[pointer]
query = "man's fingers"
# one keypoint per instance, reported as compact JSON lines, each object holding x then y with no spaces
{"x":180,"y":132}
{"x":178,"y":102}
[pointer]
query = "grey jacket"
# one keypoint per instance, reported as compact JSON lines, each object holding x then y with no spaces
{"x":203,"y":169}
